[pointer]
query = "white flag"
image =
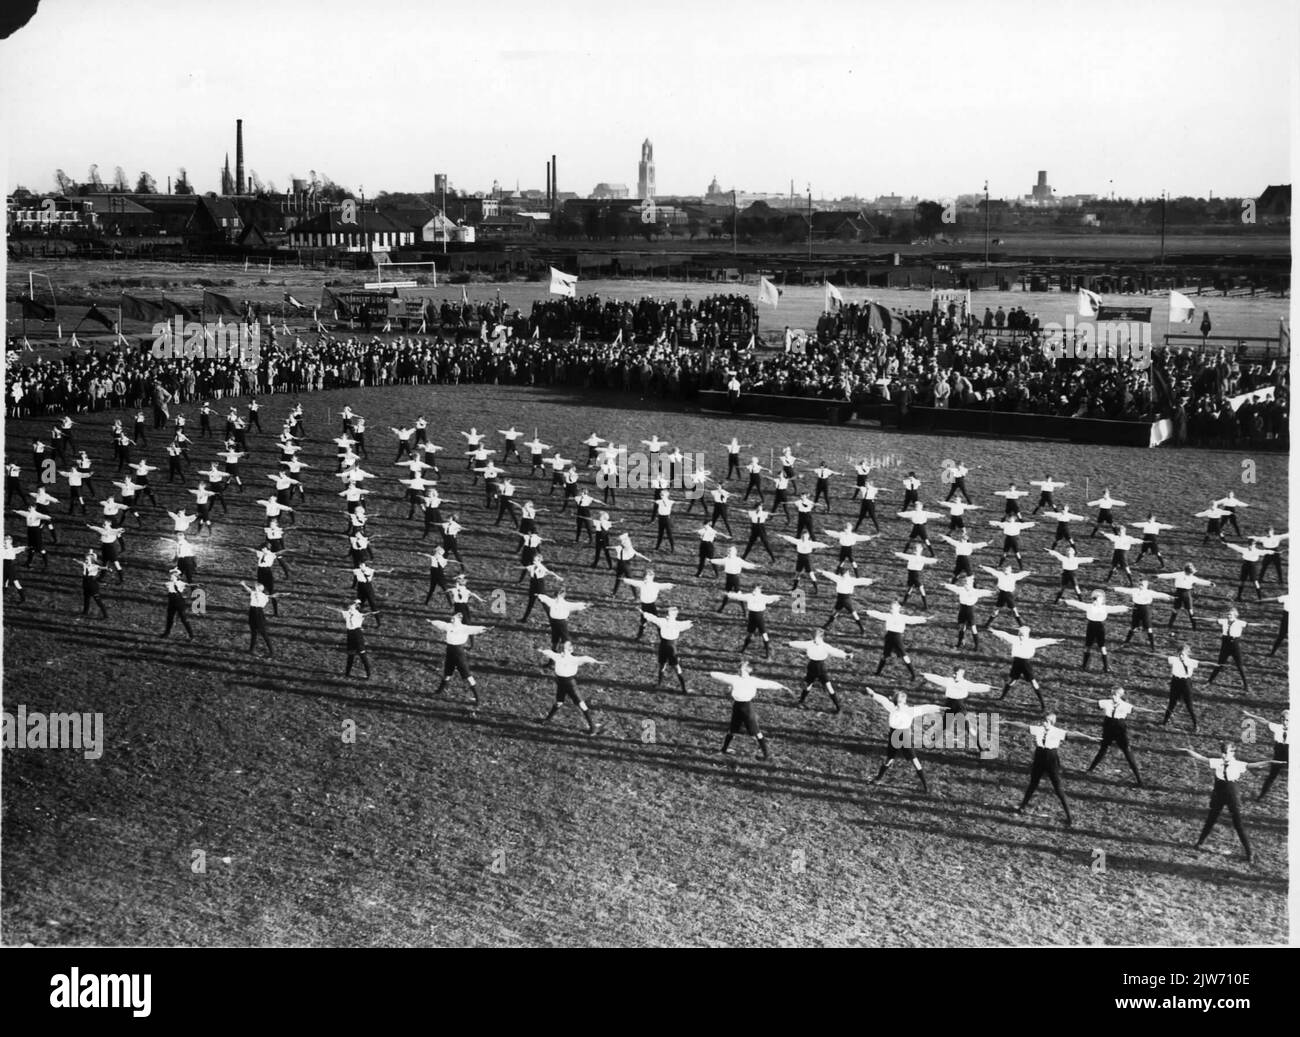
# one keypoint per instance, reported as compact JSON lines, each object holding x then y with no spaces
{"x":564,"y":284}
{"x":768,"y":292}
{"x":1089,"y":303}
{"x":1181,"y":308}
{"x":832,"y":298}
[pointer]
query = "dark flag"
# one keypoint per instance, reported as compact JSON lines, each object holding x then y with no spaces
{"x":879,"y":318}
{"x":172,"y":308}
{"x":33,"y":310}
{"x":145,"y":310}
{"x":331,"y":301}
{"x":99,"y":317}
{"x":222,"y":304}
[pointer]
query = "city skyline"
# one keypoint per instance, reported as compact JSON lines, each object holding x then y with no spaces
{"x":500,"y":110}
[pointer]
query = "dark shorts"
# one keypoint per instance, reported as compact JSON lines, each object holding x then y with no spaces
{"x":566,"y":688}
{"x":1095,"y":634}
{"x":455,"y":662}
{"x":816,"y":672}
{"x":742,"y":716}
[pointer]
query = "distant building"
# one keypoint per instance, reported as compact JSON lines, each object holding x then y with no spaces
{"x":645,"y":171}
{"x":372,"y":232}
{"x":54,"y":215}
{"x":715,"y":193}
{"x":1042,"y":191}
{"x":1274,"y":203}
{"x":604,"y":190}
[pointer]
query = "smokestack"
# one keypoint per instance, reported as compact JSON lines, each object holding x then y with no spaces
{"x":549,"y":205}
{"x":239,"y":156}
{"x":555,"y":185}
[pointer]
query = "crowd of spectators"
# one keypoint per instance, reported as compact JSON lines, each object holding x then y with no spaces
{"x":653,"y":348}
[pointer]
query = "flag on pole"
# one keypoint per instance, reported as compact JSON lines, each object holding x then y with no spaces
{"x":99,"y":317}
{"x":563,"y":284}
{"x":145,"y":310}
{"x":1089,"y":303}
{"x":220,"y":304}
{"x":33,"y":310}
{"x":833,"y":298}
{"x":1181,"y":308}
{"x":768,"y":292}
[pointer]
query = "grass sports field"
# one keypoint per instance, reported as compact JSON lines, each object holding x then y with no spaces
{"x":441,"y":824}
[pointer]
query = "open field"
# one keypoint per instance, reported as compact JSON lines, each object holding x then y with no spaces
{"x":448,"y":825}
{"x":800,"y":304}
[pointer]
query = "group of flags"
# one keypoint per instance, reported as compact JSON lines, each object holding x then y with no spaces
{"x":1181,"y":307}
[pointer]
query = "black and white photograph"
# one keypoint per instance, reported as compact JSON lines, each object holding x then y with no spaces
{"x":707,"y":475}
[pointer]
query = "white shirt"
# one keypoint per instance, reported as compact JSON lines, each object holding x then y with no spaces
{"x":567,"y":665}
{"x":956,"y":687}
{"x":1115,"y":710}
{"x":902,"y":717}
{"x":1022,"y":647}
{"x":1280,"y":733}
{"x":1232,"y":628}
{"x":895,"y":622}
{"x":457,"y":633}
{"x":819,"y":651}
{"x":1046,"y":737}
{"x":1181,"y":667}
{"x":1225,"y":770}
{"x":754,"y":601}
{"x":743,"y":689}
{"x":561,"y":608}
{"x":670,"y":629}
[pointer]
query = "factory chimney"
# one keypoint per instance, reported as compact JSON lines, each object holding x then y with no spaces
{"x":239,"y":156}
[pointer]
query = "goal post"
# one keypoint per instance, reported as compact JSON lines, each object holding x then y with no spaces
{"x":404,"y":275}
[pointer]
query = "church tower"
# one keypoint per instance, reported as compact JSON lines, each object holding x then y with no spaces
{"x":645,"y":171}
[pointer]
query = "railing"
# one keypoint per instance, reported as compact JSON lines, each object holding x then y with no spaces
{"x":1237,"y":345}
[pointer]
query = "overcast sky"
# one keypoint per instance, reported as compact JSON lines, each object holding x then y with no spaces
{"x":924,"y":97}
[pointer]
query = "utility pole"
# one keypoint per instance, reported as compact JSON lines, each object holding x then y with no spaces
{"x":986,"y":223}
{"x":1163,"y":197}
{"x":735,"y":221}
{"x":810,"y":223}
